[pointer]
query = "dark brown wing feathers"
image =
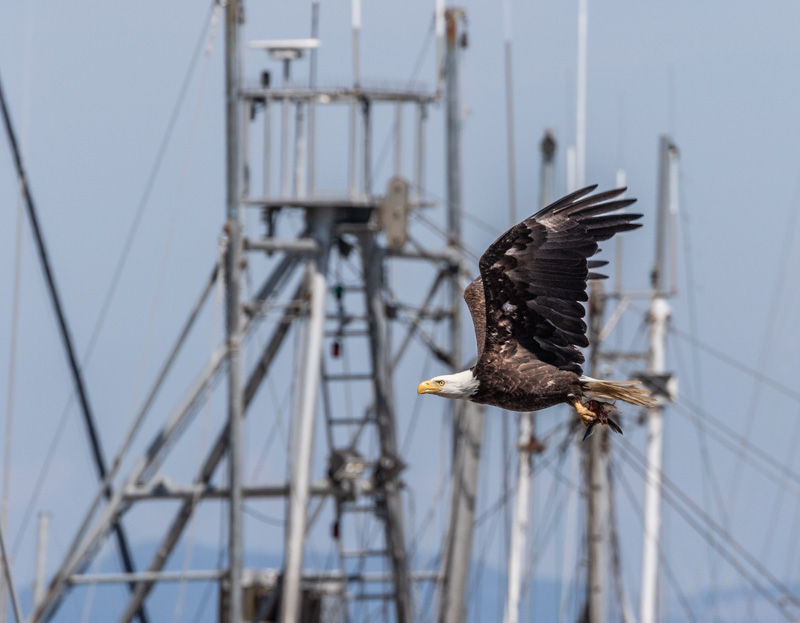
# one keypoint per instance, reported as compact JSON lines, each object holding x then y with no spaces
{"x":534,"y":277}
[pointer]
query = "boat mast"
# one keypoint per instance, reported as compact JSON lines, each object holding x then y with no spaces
{"x":659,"y":317}
{"x":527,"y":441}
{"x":468,"y":416}
{"x":596,"y":447}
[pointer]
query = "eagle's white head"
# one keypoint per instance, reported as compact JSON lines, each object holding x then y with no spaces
{"x":461,"y":385}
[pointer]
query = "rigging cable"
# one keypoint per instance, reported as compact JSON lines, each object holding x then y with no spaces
{"x":614,"y":546}
{"x":777,"y":295}
{"x":699,"y":415}
{"x":543,"y":529}
{"x":710,"y":480}
{"x":66,"y":338}
{"x":176,"y":212}
{"x":9,"y":581}
{"x":735,"y":363}
{"x":150,"y":183}
{"x":707,"y":528}
{"x":670,"y":575}
{"x":190,"y":538}
{"x":12,"y":366}
{"x":745,"y":445}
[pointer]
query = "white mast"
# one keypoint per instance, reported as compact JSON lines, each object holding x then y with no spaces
{"x":659,"y":316}
{"x":512,"y":183}
{"x":519,"y":527}
{"x":580,"y":109}
{"x":41,"y":558}
{"x":438,"y":19}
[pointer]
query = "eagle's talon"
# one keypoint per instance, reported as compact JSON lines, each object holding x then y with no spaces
{"x":588,"y":416}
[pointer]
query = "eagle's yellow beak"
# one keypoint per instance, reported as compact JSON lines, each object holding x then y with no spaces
{"x":428,"y":387}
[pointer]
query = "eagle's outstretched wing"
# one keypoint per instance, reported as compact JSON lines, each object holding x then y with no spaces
{"x":534,"y":278}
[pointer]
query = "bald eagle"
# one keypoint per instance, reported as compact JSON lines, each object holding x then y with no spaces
{"x":527,"y":309}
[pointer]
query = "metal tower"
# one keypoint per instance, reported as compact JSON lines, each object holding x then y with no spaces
{"x":301,"y":238}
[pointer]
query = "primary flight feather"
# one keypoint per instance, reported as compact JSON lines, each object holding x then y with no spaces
{"x":527,"y":309}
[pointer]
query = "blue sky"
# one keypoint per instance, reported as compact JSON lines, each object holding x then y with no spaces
{"x":91,"y":88}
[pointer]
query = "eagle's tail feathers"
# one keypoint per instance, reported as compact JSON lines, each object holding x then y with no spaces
{"x":631,"y":392}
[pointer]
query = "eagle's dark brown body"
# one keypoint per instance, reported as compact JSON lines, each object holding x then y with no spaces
{"x":531,"y":388}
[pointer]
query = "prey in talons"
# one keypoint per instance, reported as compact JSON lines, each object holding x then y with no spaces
{"x":595,"y":412}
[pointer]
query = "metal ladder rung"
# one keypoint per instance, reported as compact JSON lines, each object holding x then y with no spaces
{"x":364,"y":553}
{"x":346,"y":334}
{"x":369,"y":596}
{"x":364,"y":376}
{"x":351,"y":420}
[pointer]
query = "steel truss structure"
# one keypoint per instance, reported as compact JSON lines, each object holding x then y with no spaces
{"x":304,"y":234}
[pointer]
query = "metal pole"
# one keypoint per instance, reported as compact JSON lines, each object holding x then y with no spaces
{"x":308,"y":388}
{"x":386,"y":475}
{"x":41,"y":558}
{"x":398,"y":136}
{"x":419,"y":171}
{"x":548,"y":171}
{"x":455,"y":576}
{"x":468,"y":420}
{"x":9,"y":427}
{"x":367,"y":155}
{"x":312,"y":106}
{"x":285,"y":103}
{"x":520,"y":526}
{"x":244,"y":137}
{"x":572,"y":181}
{"x":355,"y":10}
{"x":299,"y":153}
{"x":439,"y":26}
{"x":453,"y":15}
{"x":595,"y":479}
{"x":659,"y":315}
{"x":233,"y":305}
{"x":267,"y":147}
{"x":580,"y":120}
{"x":618,"y":240}
{"x":511,"y":162}
{"x":9,"y":580}
{"x":66,"y":338}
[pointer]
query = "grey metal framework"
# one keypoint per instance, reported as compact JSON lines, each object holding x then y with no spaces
{"x":303,"y":234}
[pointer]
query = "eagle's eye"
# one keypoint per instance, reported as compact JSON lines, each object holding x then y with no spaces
{"x":441,"y":383}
